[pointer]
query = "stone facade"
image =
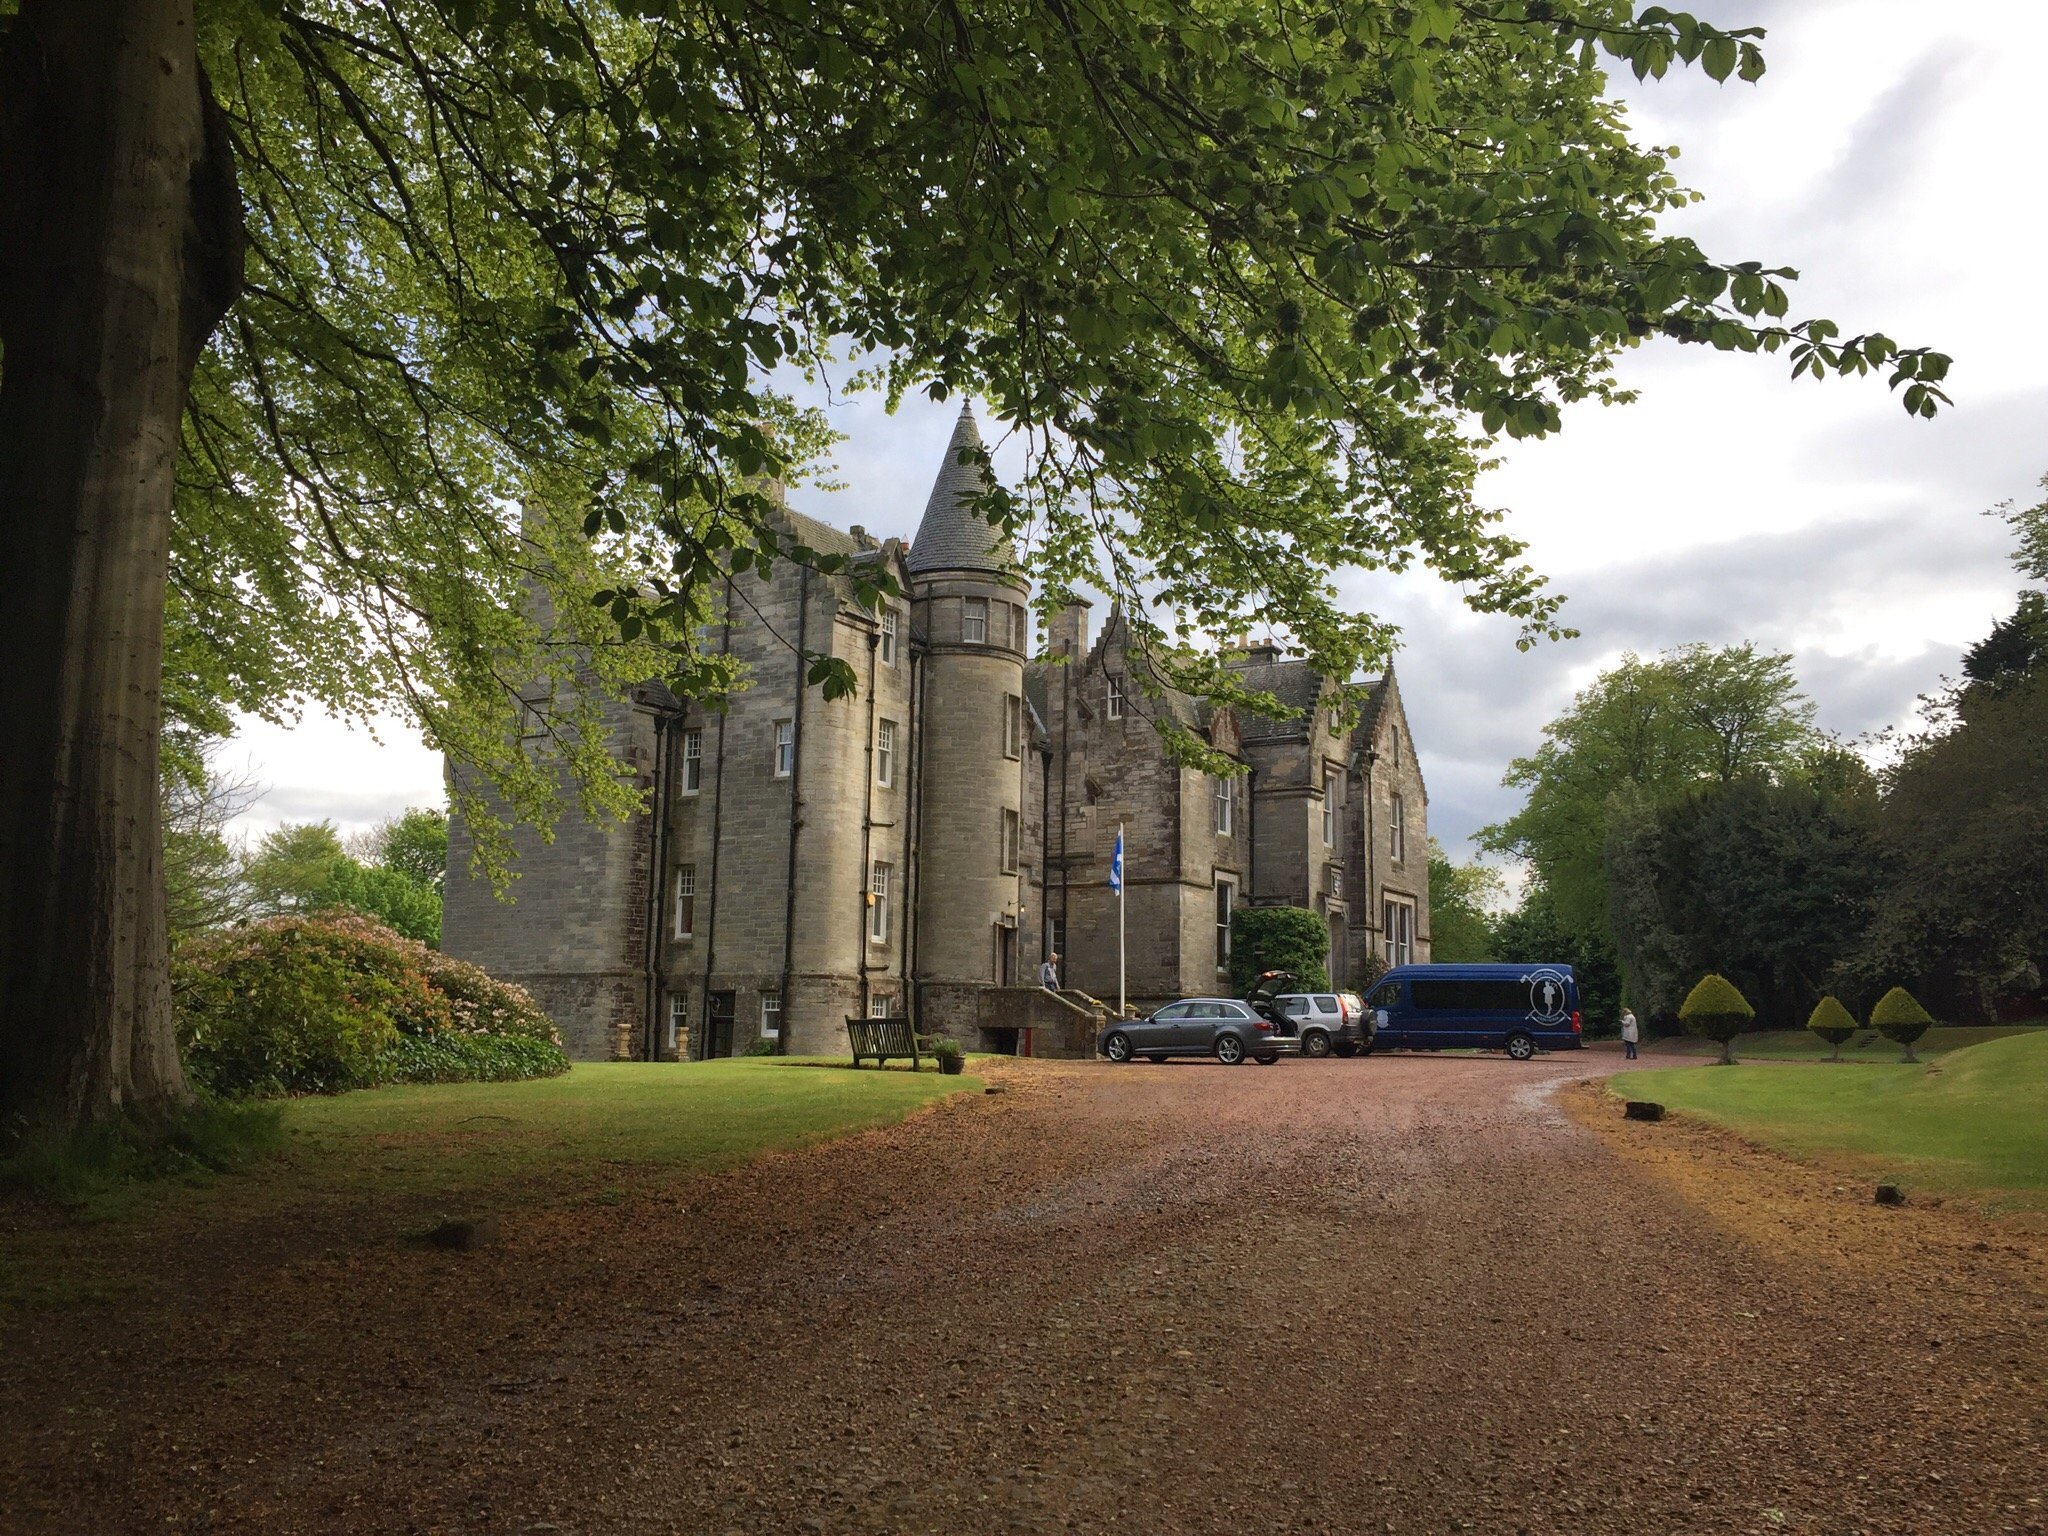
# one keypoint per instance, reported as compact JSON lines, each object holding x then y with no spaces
{"x":915,"y":849}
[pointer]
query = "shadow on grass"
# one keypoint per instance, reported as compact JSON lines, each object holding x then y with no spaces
{"x":81,"y":1170}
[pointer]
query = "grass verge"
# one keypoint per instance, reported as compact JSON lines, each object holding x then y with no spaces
{"x":501,"y":1144}
{"x":1975,"y":1122}
{"x":1866,"y":1046}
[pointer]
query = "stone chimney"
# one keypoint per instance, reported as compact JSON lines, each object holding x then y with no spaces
{"x":1067,"y":635}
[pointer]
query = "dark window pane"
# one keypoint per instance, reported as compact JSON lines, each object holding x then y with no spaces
{"x":1471,"y":996}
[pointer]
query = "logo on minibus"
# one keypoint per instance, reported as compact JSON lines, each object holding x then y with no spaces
{"x":1549,"y":1000}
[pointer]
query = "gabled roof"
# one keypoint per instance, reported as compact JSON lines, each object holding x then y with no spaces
{"x":952,"y":536}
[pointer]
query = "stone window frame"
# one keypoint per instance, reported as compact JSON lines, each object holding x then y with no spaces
{"x":1020,"y":628}
{"x":785,"y":748}
{"x":1393,"y":746}
{"x":1013,"y":840}
{"x":891,"y":632}
{"x":885,"y":753}
{"x":1397,"y":928}
{"x":1333,"y":804}
{"x":1397,"y":828}
{"x":1226,"y":903}
{"x":678,"y":1018}
{"x":1013,"y":726}
{"x":1335,"y":875}
{"x":881,"y":876}
{"x":879,"y":1004}
{"x":693,"y":759}
{"x":1113,"y":698}
{"x":1224,"y":816}
{"x":771,"y":1008}
{"x":686,"y":902}
{"x":1056,"y":934}
{"x":973,"y":615}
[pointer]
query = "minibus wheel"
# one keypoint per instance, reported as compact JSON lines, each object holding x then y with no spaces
{"x":1521,"y":1047}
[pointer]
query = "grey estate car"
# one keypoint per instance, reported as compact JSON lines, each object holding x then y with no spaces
{"x":1198,"y":1026}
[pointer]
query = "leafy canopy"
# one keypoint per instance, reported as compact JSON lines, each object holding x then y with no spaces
{"x":1461,"y":898}
{"x":1899,"y":1017}
{"x":1647,"y":731}
{"x":1256,"y":296}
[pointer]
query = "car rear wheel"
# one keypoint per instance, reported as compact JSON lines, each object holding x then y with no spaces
{"x":1316,"y":1043}
{"x":1266,"y":1059}
{"x":1117,"y":1047}
{"x":1345,"y":1048}
{"x":1521,"y":1047}
{"x":1230,"y":1050}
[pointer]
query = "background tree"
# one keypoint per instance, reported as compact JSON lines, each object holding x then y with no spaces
{"x":202,"y":859}
{"x":1715,"y":1009}
{"x":1461,"y":899}
{"x":1643,"y":733}
{"x":1771,"y":884}
{"x":1243,"y":287}
{"x":413,"y":843}
{"x":1531,"y":933}
{"x":304,"y":867}
{"x":1963,"y":834}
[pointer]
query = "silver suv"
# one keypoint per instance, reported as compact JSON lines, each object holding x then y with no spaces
{"x":1325,"y":1022}
{"x":1198,"y":1026}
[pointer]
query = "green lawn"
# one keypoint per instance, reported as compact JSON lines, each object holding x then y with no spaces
{"x":1976,"y":1121}
{"x":1866,"y":1046}
{"x":583,"y":1133}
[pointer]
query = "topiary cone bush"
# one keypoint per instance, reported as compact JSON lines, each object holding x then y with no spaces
{"x":1833,"y":1023}
{"x":1715,"y":1009}
{"x":1899,"y":1017}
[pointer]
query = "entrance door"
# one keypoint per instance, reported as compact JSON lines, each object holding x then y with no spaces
{"x":718,"y":1026}
{"x":1006,"y":955}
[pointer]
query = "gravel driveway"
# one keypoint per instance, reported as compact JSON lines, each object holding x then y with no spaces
{"x":1383,"y":1295}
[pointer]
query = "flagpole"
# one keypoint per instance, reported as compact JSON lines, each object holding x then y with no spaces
{"x":1122,"y":880}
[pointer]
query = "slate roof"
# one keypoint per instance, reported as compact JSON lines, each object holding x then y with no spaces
{"x":1294,"y":683}
{"x":952,"y":537}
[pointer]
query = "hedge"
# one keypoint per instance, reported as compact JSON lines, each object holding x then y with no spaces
{"x":1833,"y":1023}
{"x":1278,"y":939}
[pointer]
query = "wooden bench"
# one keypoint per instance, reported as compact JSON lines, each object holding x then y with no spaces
{"x":881,"y":1039}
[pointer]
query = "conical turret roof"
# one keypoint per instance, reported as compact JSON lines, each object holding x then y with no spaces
{"x":953,"y":537}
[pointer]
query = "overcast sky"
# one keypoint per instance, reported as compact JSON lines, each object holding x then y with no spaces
{"x":1891,"y":154}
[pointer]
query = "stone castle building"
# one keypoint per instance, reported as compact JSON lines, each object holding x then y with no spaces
{"x":917,"y":849}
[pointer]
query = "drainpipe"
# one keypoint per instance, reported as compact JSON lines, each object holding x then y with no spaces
{"x":867,"y":821}
{"x":909,"y":811}
{"x":657,"y":862}
{"x":796,"y":813}
{"x":913,"y":900}
{"x":1372,"y":889}
{"x":1045,"y":852}
{"x":1251,"y":833}
{"x":703,"y":1030}
{"x":1066,"y":779}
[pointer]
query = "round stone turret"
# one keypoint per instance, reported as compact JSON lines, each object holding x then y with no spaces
{"x":968,"y":603}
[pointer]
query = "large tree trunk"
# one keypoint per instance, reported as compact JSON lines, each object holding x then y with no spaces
{"x":120,"y":250}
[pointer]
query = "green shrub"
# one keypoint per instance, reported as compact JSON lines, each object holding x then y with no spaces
{"x":1715,"y":1009}
{"x":455,"y":1057}
{"x":1833,"y":1023}
{"x":335,"y":1000}
{"x":1278,"y":939}
{"x":1899,"y":1017}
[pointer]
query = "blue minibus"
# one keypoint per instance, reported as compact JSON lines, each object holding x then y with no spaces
{"x":1520,"y":1009}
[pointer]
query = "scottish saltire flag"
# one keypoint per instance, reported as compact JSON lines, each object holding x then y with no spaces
{"x":1116,"y":863}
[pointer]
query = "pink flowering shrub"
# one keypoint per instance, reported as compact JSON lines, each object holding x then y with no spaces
{"x":335,"y":1000}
